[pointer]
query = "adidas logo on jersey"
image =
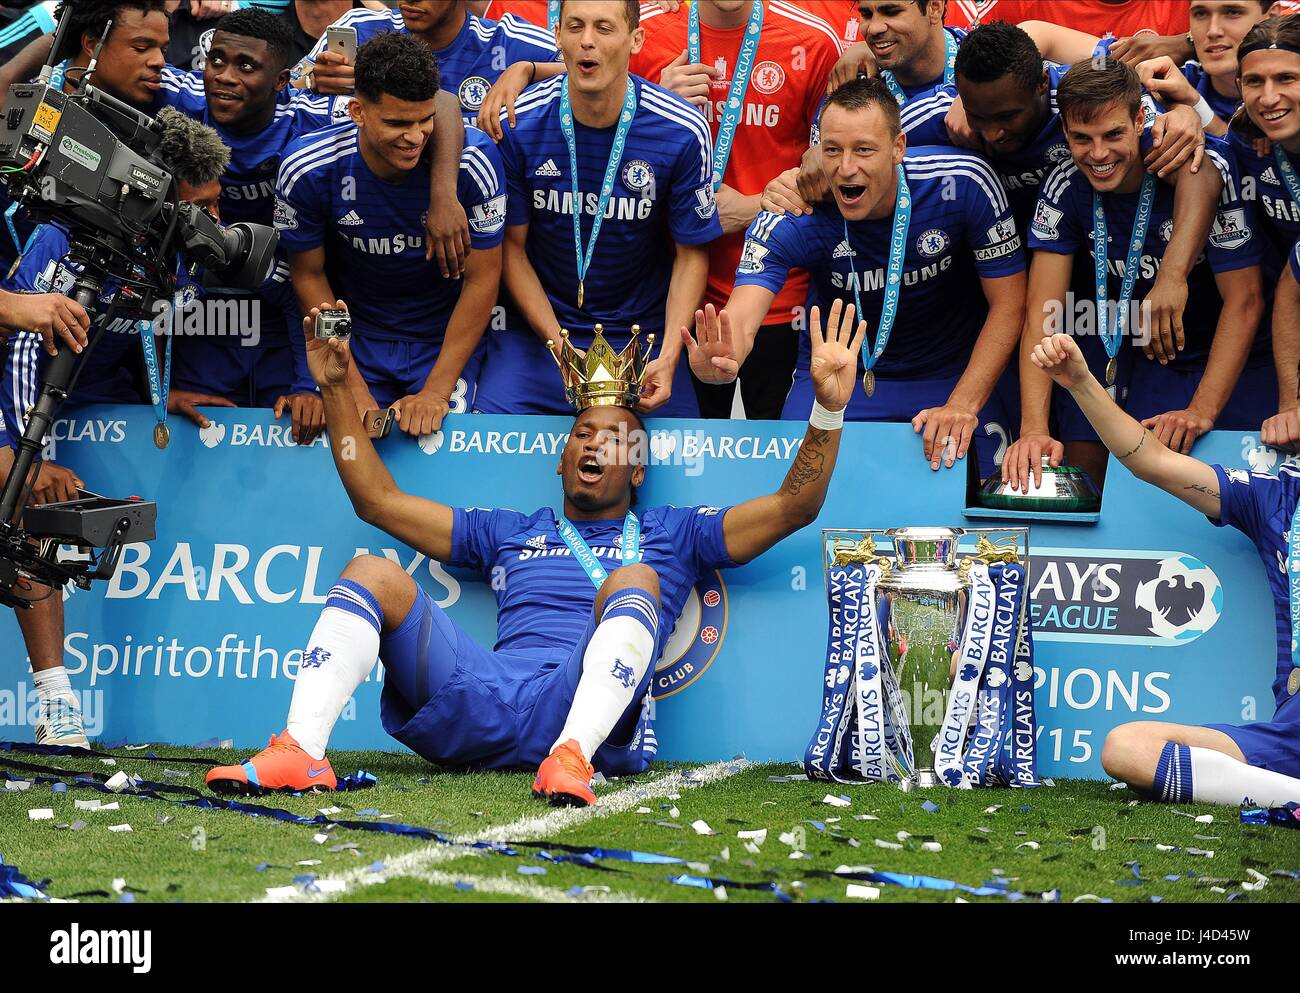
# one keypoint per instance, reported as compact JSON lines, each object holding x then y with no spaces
{"x":536,"y":541}
{"x":844,"y":251}
{"x":548,"y":169}
{"x":1270,"y":176}
{"x":351,"y":219}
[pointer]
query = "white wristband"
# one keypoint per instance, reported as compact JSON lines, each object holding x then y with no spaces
{"x":1203,"y":111}
{"x":826,"y":420}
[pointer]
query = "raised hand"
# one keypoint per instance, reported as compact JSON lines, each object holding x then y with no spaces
{"x":1058,"y":355}
{"x":713,"y":356}
{"x":834,"y":365}
{"x":327,"y":358}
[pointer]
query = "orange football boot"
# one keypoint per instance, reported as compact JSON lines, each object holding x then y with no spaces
{"x":280,"y":767}
{"x":564,"y":777}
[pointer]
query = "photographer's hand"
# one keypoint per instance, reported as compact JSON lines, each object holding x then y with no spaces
{"x":54,"y":484}
{"x":48,"y":314}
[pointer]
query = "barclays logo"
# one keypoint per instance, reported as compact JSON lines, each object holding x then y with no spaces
{"x":430,"y":443}
{"x":212,"y":435}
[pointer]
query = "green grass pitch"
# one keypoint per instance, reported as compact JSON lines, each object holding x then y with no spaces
{"x":1078,"y":837}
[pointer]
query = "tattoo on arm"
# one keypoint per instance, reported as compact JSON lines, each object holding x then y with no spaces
{"x":1207,"y":490}
{"x":809,"y":464}
{"x":1134,"y":450}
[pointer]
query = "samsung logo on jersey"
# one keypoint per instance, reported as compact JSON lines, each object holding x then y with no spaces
{"x":1281,"y":208}
{"x":250,"y":191}
{"x":393,"y":245}
{"x":757,"y":115}
{"x":618,"y":209}
{"x":874,"y":279}
{"x":611,"y":552}
{"x":1019,"y":180}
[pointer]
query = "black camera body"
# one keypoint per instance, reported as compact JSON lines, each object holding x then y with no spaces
{"x":92,"y":164}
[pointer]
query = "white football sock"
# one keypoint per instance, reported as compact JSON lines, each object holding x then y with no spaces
{"x":616,"y":660}
{"x":341,"y":653}
{"x":1219,"y":778}
{"x":52,"y":683}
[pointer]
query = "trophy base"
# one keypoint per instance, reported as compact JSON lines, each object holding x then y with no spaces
{"x":922,"y":779}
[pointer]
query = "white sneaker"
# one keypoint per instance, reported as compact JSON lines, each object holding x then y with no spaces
{"x":60,"y":724}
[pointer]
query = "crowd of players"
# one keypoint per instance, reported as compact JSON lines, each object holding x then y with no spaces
{"x":481,"y":176}
{"x":453,"y":243}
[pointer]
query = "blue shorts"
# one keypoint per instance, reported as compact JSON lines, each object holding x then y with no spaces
{"x":1273,"y":745}
{"x":520,"y":377}
{"x":1156,"y":389}
{"x":456,"y":703}
{"x":395,"y":369}
{"x":899,"y":400}
{"x":246,"y":376}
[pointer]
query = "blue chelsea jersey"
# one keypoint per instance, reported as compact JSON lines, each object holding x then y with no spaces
{"x":373,"y":231}
{"x":1063,"y":224}
{"x":544,"y":596}
{"x":961,"y":230}
{"x":469,"y":65}
{"x":663,"y":194}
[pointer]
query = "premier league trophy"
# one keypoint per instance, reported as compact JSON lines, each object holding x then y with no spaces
{"x":929,"y":670}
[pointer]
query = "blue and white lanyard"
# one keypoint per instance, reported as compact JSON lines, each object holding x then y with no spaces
{"x":1146,"y":200}
{"x":587,"y":558}
{"x":611,"y":173}
{"x":949,"y":69}
{"x":894,"y":274}
{"x":735,"y":106}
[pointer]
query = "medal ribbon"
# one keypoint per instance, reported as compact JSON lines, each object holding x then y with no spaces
{"x":552,"y":15}
{"x":158,"y":388}
{"x":949,"y":69}
{"x":1288,"y":173}
{"x":1100,"y":257}
{"x":611,"y":173}
{"x":962,"y":698}
{"x":735,"y":106}
{"x":587,"y":558}
{"x":894,"y":274}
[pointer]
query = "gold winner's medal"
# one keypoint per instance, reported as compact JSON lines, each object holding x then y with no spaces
{"x":161,"y":434}
{"x":1293,"y":684}
{"x":869,"y":382}
{"x":1110,"y":371}
{"x":580,"y":294}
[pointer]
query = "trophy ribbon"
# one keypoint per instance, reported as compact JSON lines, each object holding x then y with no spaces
{"x":1018,"y":762}
{"x":980,"y":763}
{"x":974,"y":653}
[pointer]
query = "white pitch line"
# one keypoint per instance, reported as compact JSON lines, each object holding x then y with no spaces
{"x":416,"y":862}
{"x":521,"y":887}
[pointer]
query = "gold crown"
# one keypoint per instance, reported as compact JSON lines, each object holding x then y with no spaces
{"x":598,"y":376}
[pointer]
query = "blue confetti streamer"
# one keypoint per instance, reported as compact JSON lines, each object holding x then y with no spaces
{"x":930,"y":807}
{"x":14,"y":883}
{"x":531,"y":870}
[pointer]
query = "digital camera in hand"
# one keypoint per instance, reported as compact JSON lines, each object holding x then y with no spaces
{"x":334,"y":324}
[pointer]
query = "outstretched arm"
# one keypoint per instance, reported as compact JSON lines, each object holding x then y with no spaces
{"x":1189,"y":479}
{"x":422,"y":524}
{"x":753,"y":527}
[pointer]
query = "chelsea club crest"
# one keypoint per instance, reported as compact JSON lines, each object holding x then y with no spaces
{"x":473,"y":92}
{"x":638,"y":175}
{"x":696,"y":639}
{"x":932,"y":243}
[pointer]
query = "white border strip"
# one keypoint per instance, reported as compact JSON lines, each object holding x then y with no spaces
{"x":418,"y":863}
